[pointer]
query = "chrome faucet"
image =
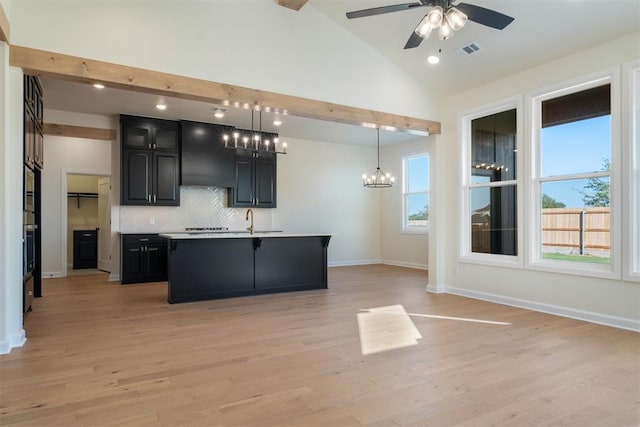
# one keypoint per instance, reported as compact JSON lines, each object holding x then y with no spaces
{"x":250,"y":228}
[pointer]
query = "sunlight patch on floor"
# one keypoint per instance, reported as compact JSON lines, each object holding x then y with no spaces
{"x":386,"y":328}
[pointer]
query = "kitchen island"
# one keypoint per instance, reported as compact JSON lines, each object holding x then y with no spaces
{"x":206,"y":266}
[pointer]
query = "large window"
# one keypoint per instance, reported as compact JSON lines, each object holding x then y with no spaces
{"x":572,"y":177}
{"x":490,"y":185}
{"x":416,"y":193}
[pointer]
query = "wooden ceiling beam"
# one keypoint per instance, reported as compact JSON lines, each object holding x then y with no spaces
{"x":4,"y":25}
{"x":292,"y":4}
{"x":79,"y":132}
{"x":66,"y":67}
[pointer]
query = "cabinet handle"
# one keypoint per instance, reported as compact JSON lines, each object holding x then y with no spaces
{"x":143,"y":240}
{"x":152,"y":249}
{"x":154,"y":146}
{"x":149,"y":198}
{"x":87,"y":235}
{"x":154,"y":198}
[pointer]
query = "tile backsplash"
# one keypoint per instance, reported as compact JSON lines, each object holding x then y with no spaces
{"x":199,"y":207}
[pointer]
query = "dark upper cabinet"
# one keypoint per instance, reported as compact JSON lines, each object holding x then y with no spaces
{"x":144,"y":258}
{"x":255,"y":181}
{"x":205,"y":161}
{"x":150,"y":162}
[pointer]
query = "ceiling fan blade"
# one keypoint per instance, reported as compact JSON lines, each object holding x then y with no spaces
{"x":383,"y":9}
{"x":485,"y":16}
{"x":414,"y":41}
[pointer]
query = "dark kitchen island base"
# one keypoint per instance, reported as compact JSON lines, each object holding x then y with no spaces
{"x":201,"y":268}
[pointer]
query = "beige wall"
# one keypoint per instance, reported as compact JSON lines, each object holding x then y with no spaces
{"x":602,"y":300}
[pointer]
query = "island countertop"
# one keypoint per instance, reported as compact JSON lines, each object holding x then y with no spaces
{"x":239,"y":235}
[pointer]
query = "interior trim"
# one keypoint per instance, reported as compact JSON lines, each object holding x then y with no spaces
{"x":73,"y":68}
{"x":79,"y":132}
{"x":292,"y":4}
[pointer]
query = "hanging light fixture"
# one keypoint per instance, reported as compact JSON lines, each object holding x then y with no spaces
{"x":378,"y":179}
{"x":254,"y":140}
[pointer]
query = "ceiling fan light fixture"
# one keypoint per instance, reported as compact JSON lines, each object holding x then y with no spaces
{"x":445,"y":32}
{"x":456,"y":19}
{"x":435,"y":17}
{"x":424,"y":28}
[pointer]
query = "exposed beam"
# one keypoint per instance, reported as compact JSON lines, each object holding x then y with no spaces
{"x":292,"y":4}
{"x":73,"y":68}
{"x":79,"y":132}
{"x":4,"y":25}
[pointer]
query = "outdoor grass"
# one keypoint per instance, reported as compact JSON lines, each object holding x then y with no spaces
{"x":577,"y":258}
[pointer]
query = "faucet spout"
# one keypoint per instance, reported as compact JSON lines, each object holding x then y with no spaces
{"x":246,"y":217}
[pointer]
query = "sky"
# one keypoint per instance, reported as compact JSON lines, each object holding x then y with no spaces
{"x":418,"y":180}
{"x":576,"y":147}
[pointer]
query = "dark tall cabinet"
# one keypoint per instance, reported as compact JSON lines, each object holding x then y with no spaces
{"x":150,"y":161}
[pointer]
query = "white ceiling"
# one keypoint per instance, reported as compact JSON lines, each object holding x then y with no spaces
{"x":543,"y":30}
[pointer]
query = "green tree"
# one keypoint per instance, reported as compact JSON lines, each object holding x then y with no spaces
{"x":422,"y":214}
{"x":550,"y":202}
{"x":596,"y":192}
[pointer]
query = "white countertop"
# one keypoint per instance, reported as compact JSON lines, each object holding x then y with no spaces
{"x":242,"y":235}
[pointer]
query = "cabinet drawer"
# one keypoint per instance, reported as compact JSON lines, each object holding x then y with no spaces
{"x":137,"y":239}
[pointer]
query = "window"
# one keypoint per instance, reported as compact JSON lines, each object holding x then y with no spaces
{"x":631,"y":157}
{"x":490,"y":196}
{"x":416,"y":193}
{"x":572,"y":178}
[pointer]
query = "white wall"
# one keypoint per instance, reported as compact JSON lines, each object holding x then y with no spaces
{"x":607,"y":301}
{"x":63,"y":156}
{"x":251,"y":43}
{"x":399,"y":247}
{"x":11,"y":176}
{"x":320,"y":191}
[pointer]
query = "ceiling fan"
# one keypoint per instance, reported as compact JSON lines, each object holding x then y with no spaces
{"x":445,"y":16}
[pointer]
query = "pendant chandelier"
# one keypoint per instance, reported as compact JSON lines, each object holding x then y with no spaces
{"x":378,"y":179}
{"x":254,"y":140}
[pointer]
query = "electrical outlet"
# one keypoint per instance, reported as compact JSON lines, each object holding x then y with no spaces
{"x":152,"y":220}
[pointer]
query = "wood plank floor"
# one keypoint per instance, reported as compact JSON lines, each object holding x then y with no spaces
{"x":101,"y":354}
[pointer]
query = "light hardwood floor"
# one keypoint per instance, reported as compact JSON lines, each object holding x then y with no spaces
{"x":102,"y":354}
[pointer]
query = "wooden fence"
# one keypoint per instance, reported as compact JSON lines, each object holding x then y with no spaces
{"x":577,"y":230}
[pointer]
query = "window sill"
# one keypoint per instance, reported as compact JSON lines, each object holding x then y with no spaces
{"x":414,"y":231}
{"x":492,"y":260}
{"x":604,"y":271}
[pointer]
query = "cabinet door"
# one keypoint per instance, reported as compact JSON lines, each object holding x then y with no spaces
{"x":241,"y":195}
{"x":265,"y":183}
{"x":85,"y":249}
{"x":156,"y":268}
{"x":29,"y":138}
{"x":165,"y":136}
{"x":136,"y":177}
{"x":133,"y":263}
{"x":38,"y":149}
{"x":166,"y":175}
{"x":136,"y":134}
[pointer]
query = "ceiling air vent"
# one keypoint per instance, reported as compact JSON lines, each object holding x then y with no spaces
{"x":469,"y":49}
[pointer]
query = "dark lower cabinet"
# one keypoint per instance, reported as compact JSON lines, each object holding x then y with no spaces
{"x":144,"y":258}
{"x":27,"y":293}
{"x":85,"y":249}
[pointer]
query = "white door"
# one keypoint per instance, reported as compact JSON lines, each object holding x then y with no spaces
{"x":104,"y":219}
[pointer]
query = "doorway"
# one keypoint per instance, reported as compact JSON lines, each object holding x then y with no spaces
{"x":88,"y":227}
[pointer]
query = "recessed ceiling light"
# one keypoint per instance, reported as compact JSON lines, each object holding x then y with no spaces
{"x":161,"y":106}
{"x":98,"y":85}
{"x":218,"y":113}
{"x":277,"y":122}
{"x":433,"y":59}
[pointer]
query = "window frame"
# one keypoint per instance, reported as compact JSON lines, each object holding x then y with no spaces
{"x":534,"y":180}
{"x":465,"y":118}
{"x":631,"y":169}
{"x":407,"y":229}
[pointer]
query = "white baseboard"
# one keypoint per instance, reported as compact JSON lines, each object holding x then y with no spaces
{"x":435,"y":289}
{"x":350,"y":263}
{"x":51,"y":274}
{"x":588,"y":316}
{"x":114,"y":277}
{"x":14,"y":341}
{"x":405,"y":264}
